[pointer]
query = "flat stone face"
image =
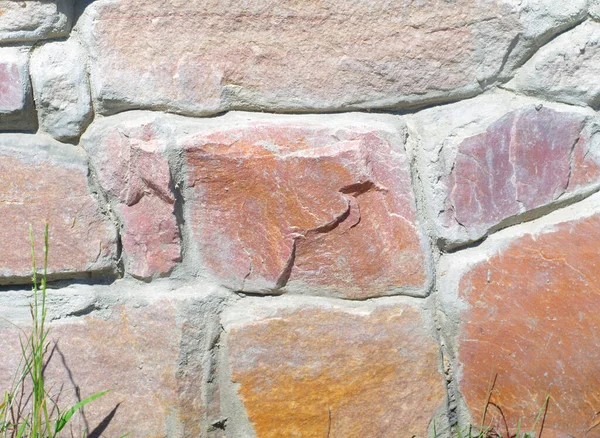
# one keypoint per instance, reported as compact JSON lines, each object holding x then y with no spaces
{"x":326,"y":371}
{"x":565,"y":70}
{"x":330,"y":54}
{"x":32,"y":20}
{"x":61,"y":89}
{"x":138,"y":354}
{"x":43,"y":181}
{"x":130,"y":166}
{"x":304,"y":207}
{"x":496,"y":160}
{"x":532,"y":319}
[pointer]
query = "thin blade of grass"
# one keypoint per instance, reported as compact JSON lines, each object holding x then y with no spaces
{"x":62,"y":421}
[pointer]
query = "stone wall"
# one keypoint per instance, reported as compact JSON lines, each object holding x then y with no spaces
{"x":335,"y":218}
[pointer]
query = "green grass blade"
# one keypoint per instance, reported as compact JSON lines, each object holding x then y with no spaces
{"x":63,"y":419}
{"x":21,"y":430}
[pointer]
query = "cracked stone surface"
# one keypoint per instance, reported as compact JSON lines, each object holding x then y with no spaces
{"x":321,"y":370}
{"x":308,"y":208}
{"x":131,"y":168}
{"x":482,"y":172}
{"x":532,"y":319}
{"x":32,"y":20}
{"x":42,"y":180}
{"x":332,"y":54}
{"x":566,"y":69}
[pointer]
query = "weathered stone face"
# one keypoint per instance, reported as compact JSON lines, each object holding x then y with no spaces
{"x":128,"y":160}
{"x":61,"y":89}
{"x":203,"y":57}
{"x":41,"y":181}
{"x":522,"y":161}
{"x":284,"y":206}
{"x":532,"y":319}
{"x":327,"y":371}
{"x":497,"y":160}
{"x":32,"y":20}
{"x":565,"y":70}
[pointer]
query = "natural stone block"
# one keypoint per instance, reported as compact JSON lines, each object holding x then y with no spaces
{"x":61,"y":89}
{"x":501,"y":161}
{"x":44,"y":181}
{"x":154,"y":355}
{"x":331,"y":55}
{"x":314,"y":368}
{"x":565,"y":70}
{"x":130,"y":166}
{"x":32,"y":20}
{"x":292,"y":204}
{"x":16,"y":104}
{"x":527,"y":312}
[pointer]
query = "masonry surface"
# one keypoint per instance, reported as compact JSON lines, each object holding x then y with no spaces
{"x":329,"y":219}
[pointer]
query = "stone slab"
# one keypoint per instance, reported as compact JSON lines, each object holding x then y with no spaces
{"x":152,"y":353}
{"x":32,"y":20}
{"x":523,"y":307}
{"x":44,"y":181}
{"x":198,"y":57}
{"x":320,"y":369}
{"x":565,"y":70}
{"x":128,"y":161}
{"x":16,"y":102}
{"x":500,"y":159}
{"x":61,"y":89}
{"x":288,"y":204}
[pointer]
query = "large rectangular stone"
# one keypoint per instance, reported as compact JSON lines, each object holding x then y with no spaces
{"x":203,"y":57}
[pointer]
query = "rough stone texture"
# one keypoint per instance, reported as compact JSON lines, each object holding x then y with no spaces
{"x":16,"y":103}
{"x":154,"y":357}
{"x":311,"y":369}
{"x":483,"y":173}
{"x":204,"y":57}
{"x":129,"y":163}
{"x":531,"y":318}
{"x":32,"y":20}
{"x":566,"y":69}
{"x":287,"y":204}
{"x":61,"y":89}
{"x":41,"y":180}
{"x":594,"y":9}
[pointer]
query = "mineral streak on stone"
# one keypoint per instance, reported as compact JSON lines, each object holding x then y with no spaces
{"x":306,"y":208}
{"x":32,"y":20}
{"x":131,"y":168}
{"x":532,"y":319}
{"x":199,"y":57}
{"x":44,"y":181}
{"x":566,"y":69}
{"x":325,"y":371}
{"x":523,"y":161}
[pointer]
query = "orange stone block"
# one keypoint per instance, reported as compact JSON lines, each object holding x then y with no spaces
{"x":330,"y":372}
{"x":299,"y":207}
{"x":533,"y":321}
